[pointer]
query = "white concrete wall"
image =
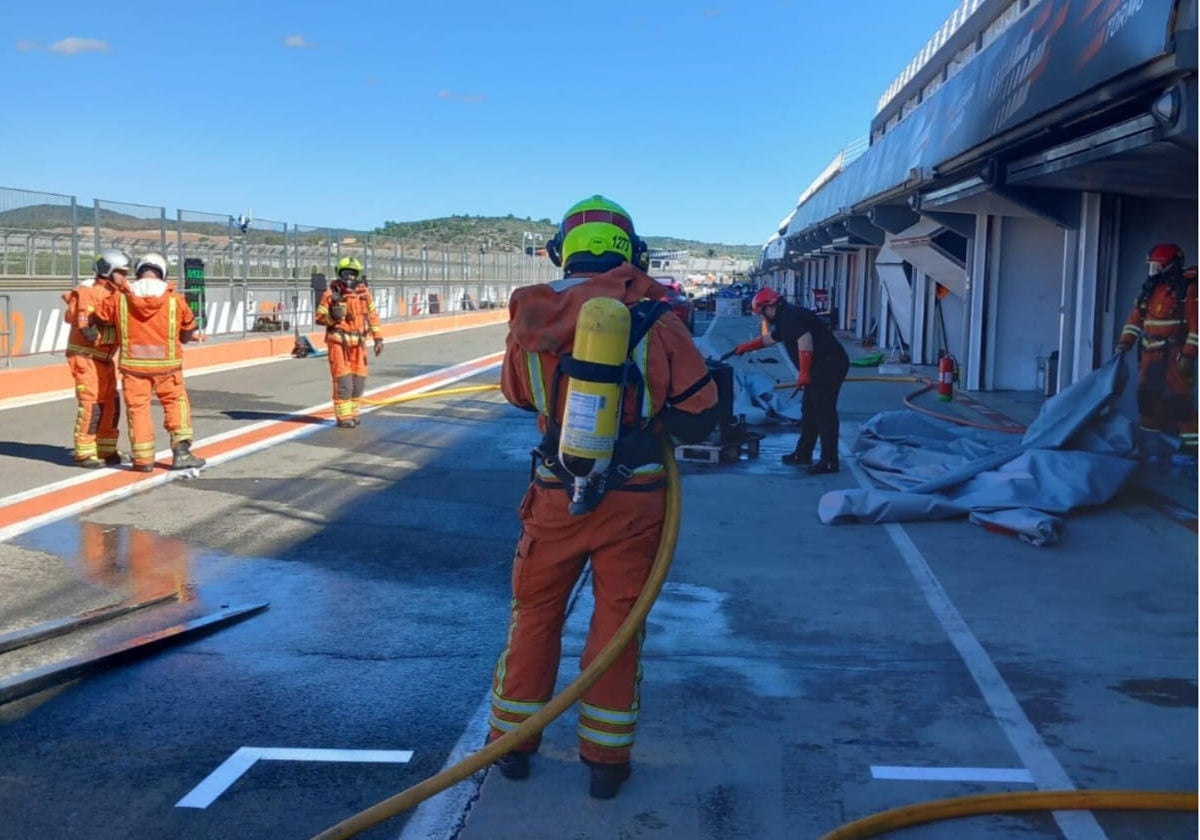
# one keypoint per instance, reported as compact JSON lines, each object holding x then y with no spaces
{"x":1028,"y":295}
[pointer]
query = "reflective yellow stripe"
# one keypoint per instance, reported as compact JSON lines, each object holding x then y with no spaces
{"x":502,"y":724}
{"x":131,"y":360}
{"x":641,"y":356}
{"x":1150,"y":322}
{"x":533,"y":363}
{"x":1131,"y":330}
{"x":609,"y":715}
{"x":605,"y":739}
{"x":517,"y":707}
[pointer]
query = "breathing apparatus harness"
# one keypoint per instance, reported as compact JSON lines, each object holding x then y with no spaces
{"x":635,"y":445}
{"x":339,"y":291}
{"x":1175,"y":278}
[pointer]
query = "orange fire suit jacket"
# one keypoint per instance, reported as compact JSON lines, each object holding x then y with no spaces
{"x":361,"y":321}
{"x":83,"y":303}
{"x":680,"y":393}
{"x":150,"y":329}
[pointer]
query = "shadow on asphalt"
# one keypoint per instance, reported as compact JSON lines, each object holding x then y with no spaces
{"x":37,"y":452}
{"x":255,"y":416}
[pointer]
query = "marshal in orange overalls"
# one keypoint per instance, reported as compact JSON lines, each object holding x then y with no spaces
{"x":153,"y":321}
{"x":91,"y":347}
{"x":1163,"y":322}
{"x":347,"y":311}
{"x":619,"y":536}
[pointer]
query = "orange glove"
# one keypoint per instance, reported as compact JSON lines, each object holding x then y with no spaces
{"x":749,"y":346}
{"x":804,"y":377}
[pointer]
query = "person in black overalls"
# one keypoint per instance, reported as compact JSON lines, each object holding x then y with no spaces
{"x":822,"y":365}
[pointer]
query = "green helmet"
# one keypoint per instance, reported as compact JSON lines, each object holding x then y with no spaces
{"x":349,"y":264}
{"x":595,"y":235}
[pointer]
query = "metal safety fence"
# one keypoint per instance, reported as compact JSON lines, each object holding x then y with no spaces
{"x":241,"y":275}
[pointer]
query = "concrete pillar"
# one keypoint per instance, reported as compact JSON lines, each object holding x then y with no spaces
{"x":982,"y":270}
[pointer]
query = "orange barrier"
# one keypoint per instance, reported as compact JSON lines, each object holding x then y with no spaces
{"x":54,"y":375}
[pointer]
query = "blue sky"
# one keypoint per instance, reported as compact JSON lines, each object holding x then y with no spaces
{"x":704,"y":119}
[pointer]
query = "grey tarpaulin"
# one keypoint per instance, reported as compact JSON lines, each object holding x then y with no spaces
{"x":1079,"y":451}
{"x":756,"y":397}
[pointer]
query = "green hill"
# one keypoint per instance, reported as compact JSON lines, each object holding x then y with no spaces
{"x":454,"y":233}
{"x":505,"y":233}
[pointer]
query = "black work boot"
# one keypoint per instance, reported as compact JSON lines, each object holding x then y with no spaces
{"x":183,"y":458}
{"x":606,"y":779}
{"x":91,"y":462}
{"x":823,"y":468}
{"x":797,"y":459}
{"x":114,"y":459}
{"x":514,"y":765}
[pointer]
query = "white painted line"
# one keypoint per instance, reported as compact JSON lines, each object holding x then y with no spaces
{"x":951,"y":774}
{"x":219,"y":780}
{"x":232,"y":769}
{"x":191,"y":373}
{"x":346,"y":756}
{"x":1045,"y":769}
{"x":444,"y":377}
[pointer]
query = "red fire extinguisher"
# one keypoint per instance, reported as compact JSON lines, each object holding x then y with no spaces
{"x":947,"y":374}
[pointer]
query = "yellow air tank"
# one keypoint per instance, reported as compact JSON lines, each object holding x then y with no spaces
{"x":592,"y":416}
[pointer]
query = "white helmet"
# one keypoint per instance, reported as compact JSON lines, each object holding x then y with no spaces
{"x":113,"y":259}
{"x":152,"y":262}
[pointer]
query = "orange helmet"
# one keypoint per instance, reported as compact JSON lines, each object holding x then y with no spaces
{"x":1166,"y":256}
{"x":764,"y":297}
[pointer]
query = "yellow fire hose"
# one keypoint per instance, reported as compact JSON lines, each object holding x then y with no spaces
{"x":870,"y":826}
{"x":435,"y":784}
{"x":1016,"y":801}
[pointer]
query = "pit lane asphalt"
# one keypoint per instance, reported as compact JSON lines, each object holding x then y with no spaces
{"x":783,"y":661}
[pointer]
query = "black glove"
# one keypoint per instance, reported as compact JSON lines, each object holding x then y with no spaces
{"x":338,"y":312}
{"x":90,"y":334}
{"x":1187,"y":367}
{"x":378,"y":346}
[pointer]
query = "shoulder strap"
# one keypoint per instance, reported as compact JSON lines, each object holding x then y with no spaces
{"x":642,"y":316}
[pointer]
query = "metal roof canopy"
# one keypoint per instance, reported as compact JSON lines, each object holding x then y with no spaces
{"x":955,"y":204}
{"x":1134,"y":157}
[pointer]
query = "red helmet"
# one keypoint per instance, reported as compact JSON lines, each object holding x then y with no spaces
{"x":764,"y":297}
{"x":1168,"y":257}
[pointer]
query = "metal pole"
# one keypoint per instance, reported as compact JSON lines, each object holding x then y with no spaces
{"x":96,"y":225}
{"x":74,"y":243}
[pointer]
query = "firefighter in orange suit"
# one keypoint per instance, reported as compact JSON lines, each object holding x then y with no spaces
{"x":91,"y":347}
{"x":348,"y":313}
{"x":1163,"y":323}
{"x":153,"y":321}
{"x":619,"y":533}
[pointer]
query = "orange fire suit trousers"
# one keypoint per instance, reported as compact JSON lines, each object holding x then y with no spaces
{"x":348,"y":367}
{"x":97,"y":423}
{"x":177,"y":412}
{"x":621,"y":538}
{"x":1166,"y":399}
